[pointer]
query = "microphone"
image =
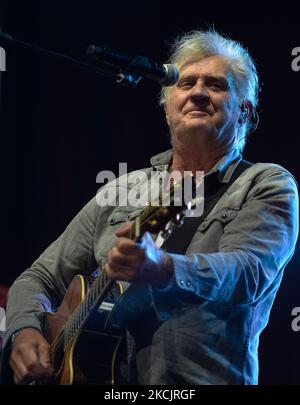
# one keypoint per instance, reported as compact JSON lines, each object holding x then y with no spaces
{"x":166,"y":75}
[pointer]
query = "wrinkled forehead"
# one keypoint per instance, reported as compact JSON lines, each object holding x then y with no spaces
{"x":212,"y":65}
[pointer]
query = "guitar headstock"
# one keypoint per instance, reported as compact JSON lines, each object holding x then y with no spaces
{"x":169,"y":208}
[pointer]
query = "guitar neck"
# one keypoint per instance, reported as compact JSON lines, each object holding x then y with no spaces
{"x":97,"y":293}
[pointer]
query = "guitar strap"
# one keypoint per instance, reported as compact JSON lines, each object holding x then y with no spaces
{"x":180,"y":238}
{"x":178,"y":242}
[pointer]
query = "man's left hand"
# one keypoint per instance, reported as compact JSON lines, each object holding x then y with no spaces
{"x":130,"y":261}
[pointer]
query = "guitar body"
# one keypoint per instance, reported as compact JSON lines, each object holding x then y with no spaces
{"x":90,"y":356}
{"x":85,"y":334}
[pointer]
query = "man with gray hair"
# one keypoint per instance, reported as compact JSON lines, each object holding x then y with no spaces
{"x":212,"y":284}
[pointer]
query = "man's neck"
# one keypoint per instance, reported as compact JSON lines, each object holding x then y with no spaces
{"x":195,"y":160}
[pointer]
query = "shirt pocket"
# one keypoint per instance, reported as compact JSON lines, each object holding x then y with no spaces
{"x":208,"y":235}
{"x":108,"y":235}
{"x":123,"y":214}
{"x":222,"y":217}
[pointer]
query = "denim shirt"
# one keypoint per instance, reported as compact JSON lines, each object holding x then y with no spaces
{"x":204,"y":327}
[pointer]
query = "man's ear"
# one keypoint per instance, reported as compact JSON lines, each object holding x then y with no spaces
{"x":166,"y":114}
{"x":246,"y":112}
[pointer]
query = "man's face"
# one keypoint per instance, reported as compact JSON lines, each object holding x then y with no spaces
{"x":204,"y":102}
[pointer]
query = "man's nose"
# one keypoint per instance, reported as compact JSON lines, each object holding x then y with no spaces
{"x":199,"y":91}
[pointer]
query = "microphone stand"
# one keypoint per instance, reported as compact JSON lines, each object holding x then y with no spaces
{"x":122,"y":78}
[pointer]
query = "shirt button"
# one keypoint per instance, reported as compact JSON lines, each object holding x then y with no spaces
{"x":181,"y":282}
{"x":188,"y":283}
{"x":224,"y":216}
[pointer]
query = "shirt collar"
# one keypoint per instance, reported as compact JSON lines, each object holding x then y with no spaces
{"x":224,"y":168}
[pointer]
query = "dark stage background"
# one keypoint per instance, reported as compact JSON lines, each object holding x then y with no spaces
{"x":61,"y":125}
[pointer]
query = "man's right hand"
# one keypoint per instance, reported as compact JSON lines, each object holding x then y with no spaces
{"x":30,"y":357}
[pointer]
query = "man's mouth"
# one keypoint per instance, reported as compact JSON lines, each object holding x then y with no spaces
{"x":196,"y":111}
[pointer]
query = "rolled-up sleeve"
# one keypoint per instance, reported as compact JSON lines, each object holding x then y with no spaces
{"x":252,"y":252}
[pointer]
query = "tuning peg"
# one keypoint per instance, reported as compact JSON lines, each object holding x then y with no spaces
{"x":178,"y":221}
{"x":165,"y":233}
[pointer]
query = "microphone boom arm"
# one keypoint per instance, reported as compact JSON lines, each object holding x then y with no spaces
{"x":120,"y":77}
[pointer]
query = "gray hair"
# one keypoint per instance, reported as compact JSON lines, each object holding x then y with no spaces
{"x":197,"y":45}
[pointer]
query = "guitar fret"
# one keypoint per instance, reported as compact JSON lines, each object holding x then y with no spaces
{"x":94,"y":293}
{"x":77,"y":322}
{"x":88,"y":304}
{"x":81,"y":314}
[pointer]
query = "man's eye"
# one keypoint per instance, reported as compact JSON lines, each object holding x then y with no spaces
{"x":186,"y":84}
{"x":218,"y":86}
